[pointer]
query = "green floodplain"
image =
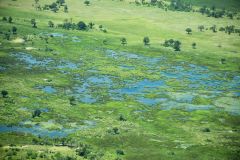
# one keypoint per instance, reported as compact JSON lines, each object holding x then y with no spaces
{"x":120,"y":79}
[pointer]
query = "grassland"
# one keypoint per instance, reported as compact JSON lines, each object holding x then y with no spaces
{"x":130,"y":102}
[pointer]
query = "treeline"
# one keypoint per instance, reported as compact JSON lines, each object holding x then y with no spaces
{"x":179,"y":5}
{"x":176,"y":5}
{"x":216,"y":13}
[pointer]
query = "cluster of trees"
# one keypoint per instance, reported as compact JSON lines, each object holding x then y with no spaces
{"x":77,"y":26}
{"x":175,"y":5}
{"x":213,"y":12}
{"x":13,"y":30}
{"x":229,"y":29}
{"x":55,"y":6}
{"x":9,"y":19}
{"x":14,"y":153}
{"x":175,"y":44}
{"x":69,"y":25}
{"x":178,"y":5}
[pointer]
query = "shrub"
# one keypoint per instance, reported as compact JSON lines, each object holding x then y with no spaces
{"x":206,"y":130}
{"x":72,"y":101}
{"x":83,"y":150}
{"x":119,"y":152}
{"x":116,"y":130}
{"x":121,"y":118}
{"x":36,"y":113}
{"x":81,"y":26}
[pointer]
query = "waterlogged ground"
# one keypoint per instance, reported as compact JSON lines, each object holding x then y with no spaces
{"x":167,"y":105}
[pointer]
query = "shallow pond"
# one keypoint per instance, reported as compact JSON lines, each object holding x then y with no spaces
{"x":38,"y":130}
{"x":178,"y":76}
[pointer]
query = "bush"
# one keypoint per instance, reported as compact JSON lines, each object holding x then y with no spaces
{"x":121,"y":118}
{"x":81,"y":26}
{"x":206,"y":130}
{"x":72,"y":101}
{"x":83,"y":151}
{"x":119,"y":152}
{"x":36,"y":113}
{"x":116,"y":130}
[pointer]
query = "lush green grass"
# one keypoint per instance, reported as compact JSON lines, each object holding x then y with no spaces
{"x":149,"y":132}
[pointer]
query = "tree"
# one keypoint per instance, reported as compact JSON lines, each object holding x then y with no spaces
{"x":87,"y":3}
{"x":201,"y":28}
{"x":214,"y":28}
{"x":123,"y":41}
{"x":189,"y":30}
{"x":223,"y":60}
{"x":7,"y":35}
{"x":34,"y":23}
{"x":65,"y":9}
{"x":146,"y":41}
{"x":81,"y":26}
{"x":177,"y":45}
{"x":72,"y":101}
{"x":90,"y":25}
{"x":36,"y":1}
{"x":213,"y":8}
{"x":116,"y":130}
{"x":4,"y":19}
{"x":36,"y":113}
{"x":55,"y":9}
{"x":83,"y":150}
{"x":194,"y":45}
{"x":4,"y":93}
{"x":153,"y":2}
{"x":10,"y":19}
{"x":60,"y":2}
{"x":14,"y":30}
{"x":203,"y":9}
{"x":50,"y":24}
